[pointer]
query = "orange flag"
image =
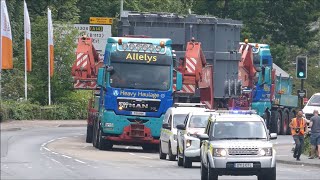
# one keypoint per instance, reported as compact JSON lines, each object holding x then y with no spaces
{"x":6,"y":39}
{"x":27,"y":36}
{"x":50,"y":43}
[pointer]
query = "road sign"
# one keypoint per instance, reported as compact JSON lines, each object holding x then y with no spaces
{"x":302,"y":93}
{"x":98,"y":33}
{"x":101,"y":20}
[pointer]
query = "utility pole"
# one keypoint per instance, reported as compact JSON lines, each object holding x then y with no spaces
{"x":121,"y":8}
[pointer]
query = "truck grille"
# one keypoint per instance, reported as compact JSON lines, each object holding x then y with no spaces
{"x":137,"y":130}
{"x":243,"y":151}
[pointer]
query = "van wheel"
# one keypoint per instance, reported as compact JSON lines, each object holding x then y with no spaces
{"x":180,"y":160}
{"x":161,"y":155}
{"x":268,"y":174}
{"x":212,"y":174}
{"x":171,"y":156}
{"x":204,"y":172}
{"x":187,"y":163}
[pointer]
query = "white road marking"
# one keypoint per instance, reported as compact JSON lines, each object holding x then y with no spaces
{"x":55,"y":160}
{"x":132,"y":154}
{"x":145,"y":157}
{"x":66,"y":156}
{"x":79,"y":161}
{"x":282,"y":155}
{"x":54,"y":153}
{"x":46,"y":149}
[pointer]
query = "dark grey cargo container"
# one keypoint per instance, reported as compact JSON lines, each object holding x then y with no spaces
{"x":219,"y":38}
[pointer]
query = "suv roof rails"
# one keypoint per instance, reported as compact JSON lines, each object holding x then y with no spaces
{"x":189,"y":105}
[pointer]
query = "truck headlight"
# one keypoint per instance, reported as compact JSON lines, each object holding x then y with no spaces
{"x":265,"y":152}
{"x":188,"y":143}
{"x":108,"y":124}
{"x":219,"y":152}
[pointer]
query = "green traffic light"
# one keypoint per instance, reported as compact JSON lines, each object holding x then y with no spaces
{"x":301,"y":74}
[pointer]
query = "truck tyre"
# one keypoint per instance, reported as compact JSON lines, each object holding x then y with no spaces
{"x":204,"y":172}
{"x":276,"y":120}
{"x":161,"y":155}
{"x":103,"y":144}
{"x":180,"y":160}
{"x":187,"y":163}
{"x":150,"y":147}
{"x":267,"y":118}
{"x":285,"y":121}
{"x":268,"y":174}
{"x":95,"y":136}
{"x":292,"y":114}
{"x":171,"y":156}
{"x":89,"y":134}
{"x":212,"y":174}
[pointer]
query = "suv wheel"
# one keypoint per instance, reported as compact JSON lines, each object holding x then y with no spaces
{"x":204,"y":172}
{"x":171,"y":156}
{"x":212,"y":175}
{"x":268,"y":174}
{"x":161,"y":155}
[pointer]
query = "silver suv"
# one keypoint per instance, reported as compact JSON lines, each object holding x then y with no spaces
{"x":237,"y":143}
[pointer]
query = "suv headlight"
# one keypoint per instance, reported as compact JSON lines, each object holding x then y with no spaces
{"x":265,"y":151}
{"x":219,"y":152}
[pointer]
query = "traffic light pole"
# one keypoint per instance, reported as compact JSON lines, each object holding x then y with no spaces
{"x":301,"y":98}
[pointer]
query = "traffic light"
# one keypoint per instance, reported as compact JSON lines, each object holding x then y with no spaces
{"x":301,"y":67}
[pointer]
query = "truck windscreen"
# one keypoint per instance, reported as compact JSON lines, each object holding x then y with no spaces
{"x":140,"y":76}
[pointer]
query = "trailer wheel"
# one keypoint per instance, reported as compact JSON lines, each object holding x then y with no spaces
{"x":276,"y":120}
{"x":266,"y":117}
{"x":285,"y":121}
{"x":292,"y":114}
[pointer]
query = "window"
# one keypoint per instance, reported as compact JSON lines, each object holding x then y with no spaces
{"x":314,"y":101}
{"x":178,"y":119}
{"x":198,"y":121}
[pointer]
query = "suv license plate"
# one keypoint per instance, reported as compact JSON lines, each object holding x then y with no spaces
{"x":243,"y":165}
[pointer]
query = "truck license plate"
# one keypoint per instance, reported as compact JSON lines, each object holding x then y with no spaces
{"x":243,"y":165}
{"x":137,"y":113}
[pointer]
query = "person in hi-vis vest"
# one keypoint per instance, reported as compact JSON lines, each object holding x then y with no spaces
{"x":298,"y":126}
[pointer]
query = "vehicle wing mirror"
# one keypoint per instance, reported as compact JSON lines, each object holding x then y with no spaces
{"x":181,"y":127}
{"x":100,"y":78}
{"x":179,"y":81}
{"x":165,"y":126}
{"x":203,"y":137}
{"x":273,"y":136}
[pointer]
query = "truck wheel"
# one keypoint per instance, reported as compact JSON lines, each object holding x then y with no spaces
{"x":150,"y":147}
{"x":161,"y":155}
{"x":187,"y":163}
{"x":285,"y":121}
{"x":103,"y":144}
{"x":291,"y":116}
{"x":276,"y":120}
{"x":89,"y":134}
{"x":180,"y":160}
{"x":212,"y":174}
{"x":266,"y":117}
{"x":171,"y":156}
{"x":95,"y":136}
{"x":204,"y":172}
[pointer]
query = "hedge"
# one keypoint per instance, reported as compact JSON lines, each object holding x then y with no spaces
{"x":27,"y":111}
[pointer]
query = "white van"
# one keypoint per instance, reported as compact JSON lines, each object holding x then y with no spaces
{"x":175,"y":115}
{"x":312,"y":104}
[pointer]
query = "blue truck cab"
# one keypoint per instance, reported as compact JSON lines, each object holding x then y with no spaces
{"x":136,"y":91}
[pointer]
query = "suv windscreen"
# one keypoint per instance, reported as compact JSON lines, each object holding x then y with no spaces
{"x":198,"y":121}
{"x":239,"y":130}
{"x":314,"y":101}
{"x":178,"y":119}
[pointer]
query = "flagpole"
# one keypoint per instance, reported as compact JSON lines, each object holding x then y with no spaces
{"x":49,"y":86}
{"x":25,"y":57}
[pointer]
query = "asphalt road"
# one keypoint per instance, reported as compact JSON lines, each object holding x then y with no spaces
{"x":61,"y":153}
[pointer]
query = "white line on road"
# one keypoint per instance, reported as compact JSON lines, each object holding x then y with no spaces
{"x":132,"y":154}
{"x":145,"y":157}
{"x":54,"y":153}
{"x":55,"y":161}
{"x":46,"y":149}
{"x":66,"y":156}
{"x":282,"y":155}
{"x":79,"y":161}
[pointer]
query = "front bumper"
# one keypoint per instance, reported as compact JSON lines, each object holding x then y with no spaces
{"x":194,"y":150}
{"x":227,"y":162}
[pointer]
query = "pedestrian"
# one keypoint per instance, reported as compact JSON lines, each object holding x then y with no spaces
{"x":298,"y":126}
{"x":315,"y":134}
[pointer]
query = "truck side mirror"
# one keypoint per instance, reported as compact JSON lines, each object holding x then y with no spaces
{"x":179,"y":81}
{"x":100,"y":79}
{"x":165,"y":126}
{"x":109,"y":68}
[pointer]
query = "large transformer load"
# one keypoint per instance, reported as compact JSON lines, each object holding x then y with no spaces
{"x":219,"y":39}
